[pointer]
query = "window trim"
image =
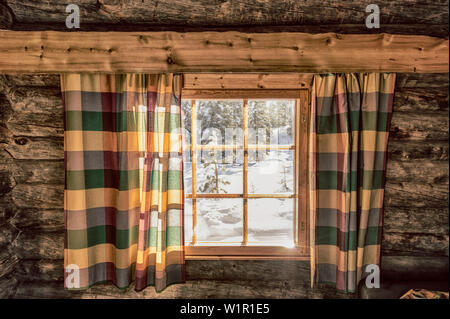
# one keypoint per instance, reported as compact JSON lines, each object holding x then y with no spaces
{"x":301,"y":217}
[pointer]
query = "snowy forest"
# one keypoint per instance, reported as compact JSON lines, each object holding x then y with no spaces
{"x":220,"y":123}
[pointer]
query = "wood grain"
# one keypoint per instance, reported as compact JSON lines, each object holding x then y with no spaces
{"x":195,"y":289}
{"x":399,"y":16}
{"x":7,"y":262}
{"x":239,"y":81}
{"x":415,"y":220}
{"x":415,"y":244}
{"x":56,"y":52}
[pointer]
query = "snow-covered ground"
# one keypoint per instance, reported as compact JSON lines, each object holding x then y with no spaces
{"x":270,"y":220}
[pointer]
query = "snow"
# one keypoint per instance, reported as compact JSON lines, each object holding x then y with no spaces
{"x":270,"y":220}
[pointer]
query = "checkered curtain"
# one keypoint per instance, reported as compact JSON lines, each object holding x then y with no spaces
{"x":124,"y":179}
{"x":349,"y":129}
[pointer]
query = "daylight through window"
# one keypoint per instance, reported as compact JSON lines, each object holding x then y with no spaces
{"x":239,"y":171}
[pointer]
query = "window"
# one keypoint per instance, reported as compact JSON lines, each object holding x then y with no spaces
{"x":245,"y":173}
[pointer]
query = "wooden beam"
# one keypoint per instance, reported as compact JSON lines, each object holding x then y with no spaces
{"x":56,"y":52}
{"x":236,"y":81}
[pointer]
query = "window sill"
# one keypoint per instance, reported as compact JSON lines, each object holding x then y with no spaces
{"x":245,"y":253}
{"x":191,"y":257}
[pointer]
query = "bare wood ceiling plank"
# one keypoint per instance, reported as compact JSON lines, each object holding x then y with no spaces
{"x":56,"y":52}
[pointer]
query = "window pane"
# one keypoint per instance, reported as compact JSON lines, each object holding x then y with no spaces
{"x":219,"y":172}
{"x":187,"y":172}
{"x":219,"y":220}
{"x":271,"y":122}
{"x":270,"y":221}
{"x":188,"y":220}
{"x":270,"y":172}
{"x":219,"y":122}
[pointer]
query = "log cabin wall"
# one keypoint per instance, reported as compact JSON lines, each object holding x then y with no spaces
{"x":32,"y":185}
{"x":415,"y":234}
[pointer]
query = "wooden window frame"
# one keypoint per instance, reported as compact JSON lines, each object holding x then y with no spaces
{"x":300,"y":146}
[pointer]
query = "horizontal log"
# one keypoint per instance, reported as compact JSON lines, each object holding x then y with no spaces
{"x":44,"y":289}
{"x":38,"y":107}
{"x":434,"y":30}
{"x":411,"y":194}
{"x":247,"y":270}
{"x":56,"y":52}
{"x":421,"y":99}
{"x":414,"y":267}
{"x":38,"y":80}
{"x":38,"y":220}
{"x":38,"y":196}
{"x":419,"y":126}
{"x":42,"y":172}
{"x":417,"y":80}
{"x":5,"y":108}
{"x":7,"y":181}
{"x":416,"y":220}
{"x":8,"y":287}
{"x":36,"y":245}
{"x":8,"y":233}
{"x":8,"y":262}
{"x":7,"y":209}
{"x":400,"y":150}
{"x":198,"y":289}
{"x":30,"y":171}
{"x":20,"y":130}
{"x":244,"y":12}
{"x":27,"y":148}
{"x":414,"y":244}
{"x":5,"y":157}
{"x":41,"y":270}
{"x":418,"y":171}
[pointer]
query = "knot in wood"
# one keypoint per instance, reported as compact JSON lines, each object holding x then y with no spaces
{"x":21,"y":141}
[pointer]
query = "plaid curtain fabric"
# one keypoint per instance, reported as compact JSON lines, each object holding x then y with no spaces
{"x":349,"y":129}
{"x":124,"y":179}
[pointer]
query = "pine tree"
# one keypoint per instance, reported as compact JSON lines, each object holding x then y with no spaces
{"x":284,"y":187}
{"x":212,"y":183}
